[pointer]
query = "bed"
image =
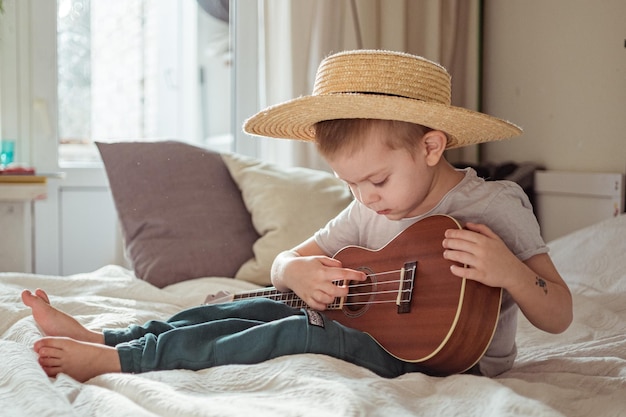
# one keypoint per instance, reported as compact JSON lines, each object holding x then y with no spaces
{"x":581,"y":372}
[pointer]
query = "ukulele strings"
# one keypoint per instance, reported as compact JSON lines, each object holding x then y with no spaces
{"x":292,"y":297}
{"x":359,"y":284}
{"x":354,"y":298}
{"x":392,"y":292}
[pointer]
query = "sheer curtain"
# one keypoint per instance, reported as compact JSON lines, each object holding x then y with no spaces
{"x":297,"y":35}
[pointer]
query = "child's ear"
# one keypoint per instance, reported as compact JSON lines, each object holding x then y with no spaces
{"x":435,"y":143}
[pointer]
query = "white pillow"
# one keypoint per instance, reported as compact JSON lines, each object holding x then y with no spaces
{"x":287,"y":206}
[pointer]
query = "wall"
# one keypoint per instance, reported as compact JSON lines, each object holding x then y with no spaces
{"x":558,"y":69}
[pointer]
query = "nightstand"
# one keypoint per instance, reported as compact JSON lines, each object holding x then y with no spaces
{"x":17,"y":224}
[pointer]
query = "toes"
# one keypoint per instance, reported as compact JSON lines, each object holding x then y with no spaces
{"x":49,"y":362}
{"x":48,"y":352}
{"x":30,"y":299}
{"x":50,"y":355}
{"x":51,"y":371}
{"x":27,"y":297}
{"x":50,"y":346}
{"x":42,"y":294}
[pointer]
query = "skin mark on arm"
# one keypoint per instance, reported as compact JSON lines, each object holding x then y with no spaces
{"x":541,"y":283}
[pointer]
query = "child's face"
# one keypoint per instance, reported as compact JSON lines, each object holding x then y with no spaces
{"x":392,"y":182}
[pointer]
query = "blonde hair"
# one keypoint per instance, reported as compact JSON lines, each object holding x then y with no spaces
{"x":333,"y":136}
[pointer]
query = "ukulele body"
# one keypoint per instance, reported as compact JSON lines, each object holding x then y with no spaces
{"x":413,"y":305}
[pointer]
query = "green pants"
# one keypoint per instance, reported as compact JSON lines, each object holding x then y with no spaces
{"x":245,"y":332}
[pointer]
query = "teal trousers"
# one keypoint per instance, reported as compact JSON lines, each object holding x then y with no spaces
{"x":245,"y":332}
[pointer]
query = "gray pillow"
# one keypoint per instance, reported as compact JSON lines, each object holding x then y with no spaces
{"x":181,"y":213}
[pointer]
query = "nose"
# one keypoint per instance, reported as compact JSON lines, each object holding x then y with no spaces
{"x":367,"y":195}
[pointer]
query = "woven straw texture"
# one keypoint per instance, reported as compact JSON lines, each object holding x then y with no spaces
{"x":379,"y":85}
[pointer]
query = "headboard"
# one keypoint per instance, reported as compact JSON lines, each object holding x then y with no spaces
{"x":568,"y":201}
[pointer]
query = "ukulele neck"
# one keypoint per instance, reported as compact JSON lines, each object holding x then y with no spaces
{"x":358,"y":290}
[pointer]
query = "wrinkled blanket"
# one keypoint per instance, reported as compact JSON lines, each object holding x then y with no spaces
{"x":581,"y":372}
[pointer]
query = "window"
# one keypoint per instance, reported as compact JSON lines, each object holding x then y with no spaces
{"x":142,"y":70}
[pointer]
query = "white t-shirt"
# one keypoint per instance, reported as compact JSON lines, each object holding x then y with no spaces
{"x":501,"y":205}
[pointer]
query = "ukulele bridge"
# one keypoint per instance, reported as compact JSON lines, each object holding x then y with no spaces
{"x":405,"y":289}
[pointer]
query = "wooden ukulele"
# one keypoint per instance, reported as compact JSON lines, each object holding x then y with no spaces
{"x":411,"y":303}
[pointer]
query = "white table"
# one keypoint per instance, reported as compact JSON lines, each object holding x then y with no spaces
{"x":17,"y":225}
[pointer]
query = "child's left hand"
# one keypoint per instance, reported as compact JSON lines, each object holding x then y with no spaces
{"x":487,"y":259}
{"x":535,"y":284}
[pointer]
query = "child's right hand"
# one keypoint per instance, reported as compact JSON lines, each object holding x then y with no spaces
{"x":318,"y":280}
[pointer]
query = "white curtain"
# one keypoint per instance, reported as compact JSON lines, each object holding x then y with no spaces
{"x":298,"y":34}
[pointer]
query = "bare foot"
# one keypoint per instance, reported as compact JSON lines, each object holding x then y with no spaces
{"x":54,"y":322}
{"x":80,"y":360}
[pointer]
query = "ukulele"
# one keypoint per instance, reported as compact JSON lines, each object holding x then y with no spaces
{"x":411,"y":303}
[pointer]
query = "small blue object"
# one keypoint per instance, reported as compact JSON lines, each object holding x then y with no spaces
{"x":7,"y":151}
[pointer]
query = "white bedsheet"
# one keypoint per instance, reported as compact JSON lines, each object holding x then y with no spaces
{"x":579,"y":373}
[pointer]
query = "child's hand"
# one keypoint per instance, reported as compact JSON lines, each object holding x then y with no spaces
{"x":318,"y":280}
{"x":535,"y":284}
{"x":487,"y":258}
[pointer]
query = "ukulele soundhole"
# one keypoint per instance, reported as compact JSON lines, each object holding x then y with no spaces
{"x":361,"y":294}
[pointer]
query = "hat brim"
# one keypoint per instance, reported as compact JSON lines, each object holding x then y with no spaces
{"x":295,"y":119}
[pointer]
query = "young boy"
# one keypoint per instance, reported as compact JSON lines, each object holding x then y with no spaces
{"x":382,"y":120}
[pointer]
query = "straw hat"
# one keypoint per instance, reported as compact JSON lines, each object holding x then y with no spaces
{"x":370,"y":84}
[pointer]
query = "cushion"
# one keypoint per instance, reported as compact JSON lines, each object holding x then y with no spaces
{"x":287,"y":206}
{"x":182,"y":215}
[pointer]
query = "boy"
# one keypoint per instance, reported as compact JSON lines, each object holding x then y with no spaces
{"x":382,"y":120}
